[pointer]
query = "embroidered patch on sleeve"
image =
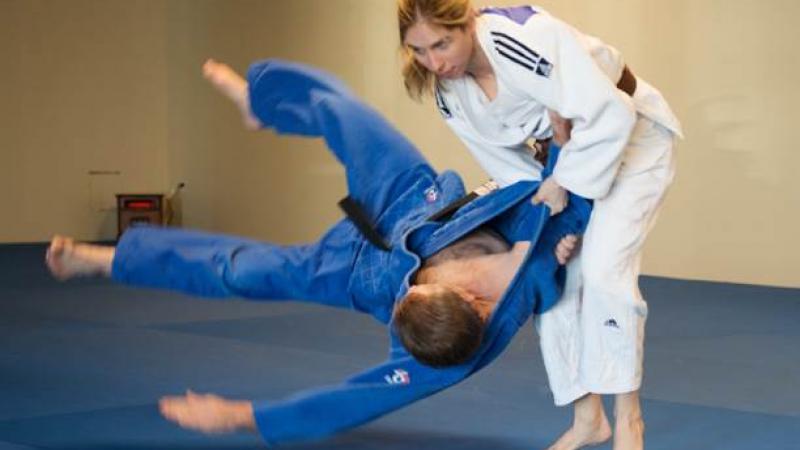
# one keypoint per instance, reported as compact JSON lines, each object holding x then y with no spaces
{"x":398,"y":377}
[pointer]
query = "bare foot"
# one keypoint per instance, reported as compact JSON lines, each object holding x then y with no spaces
{"x":589,"y":427}
{"x":208,"y":413}
{"x":629,"y":433}
{"x":580,"y":436}
{"x":233,"y":86}
{"x":67,"y":259}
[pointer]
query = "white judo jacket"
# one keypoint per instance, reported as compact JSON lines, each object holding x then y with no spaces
{"x":543,"y":63}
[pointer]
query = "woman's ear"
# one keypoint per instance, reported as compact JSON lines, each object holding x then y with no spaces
{"x":471,"y":24}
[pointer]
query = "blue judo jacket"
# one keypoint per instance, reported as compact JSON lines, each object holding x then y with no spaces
{"x":399,"y":191}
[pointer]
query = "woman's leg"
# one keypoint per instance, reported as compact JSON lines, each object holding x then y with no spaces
{"x":613,"y":312}
{"x":560,"y":342}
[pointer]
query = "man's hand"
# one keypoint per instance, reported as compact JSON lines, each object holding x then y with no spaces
{"x":562,"y":128}
{"x":208,"y":413}
{"x":566,"y":248}
{"x":551,"y":194}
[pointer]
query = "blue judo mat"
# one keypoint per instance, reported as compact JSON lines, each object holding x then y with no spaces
{"x":82,"y":365}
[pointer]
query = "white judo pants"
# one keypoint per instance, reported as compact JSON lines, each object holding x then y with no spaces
{"x":592,"y":340}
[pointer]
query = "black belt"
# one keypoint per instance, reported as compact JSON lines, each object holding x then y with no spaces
{"x":361,"y":220}
{"x":444,"y":214}
{"x":355,"y":212}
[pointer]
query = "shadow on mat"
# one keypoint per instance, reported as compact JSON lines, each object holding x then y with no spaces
{"x":366,"y":440}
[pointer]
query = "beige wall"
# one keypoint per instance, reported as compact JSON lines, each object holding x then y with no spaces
{"x":114,"y":85}
{"x":83,"y":89}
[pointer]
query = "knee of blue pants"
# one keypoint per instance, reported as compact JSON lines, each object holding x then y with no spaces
{"x":318,"y":272}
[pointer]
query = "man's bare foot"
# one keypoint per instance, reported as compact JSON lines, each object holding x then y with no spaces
{"x":233,"y":86}
{"x":629,"y":433}
{"x":208,"y":413}
{"x":590,"y":426}
{"x":67,"y":259}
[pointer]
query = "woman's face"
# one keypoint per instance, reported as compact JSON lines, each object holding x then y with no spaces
{"x":444,"y":51}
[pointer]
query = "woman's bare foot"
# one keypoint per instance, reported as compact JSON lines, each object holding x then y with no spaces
{"x":628,"y":433}
{"x":233,"y":86}
{"x":590,"y":426}
{"x":67,"y":259}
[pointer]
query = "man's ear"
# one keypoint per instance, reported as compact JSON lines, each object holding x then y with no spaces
{"x":483,"y":307}
{"x":465,"y":294}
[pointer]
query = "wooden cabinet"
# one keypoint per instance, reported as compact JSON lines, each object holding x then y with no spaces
{"x":139,"y":209}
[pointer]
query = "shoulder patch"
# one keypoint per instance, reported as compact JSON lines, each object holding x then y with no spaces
{"x":398,"y":377}
{"x":521,"y":54}
{"x":519,"y":14}
{"x":442,"y":105}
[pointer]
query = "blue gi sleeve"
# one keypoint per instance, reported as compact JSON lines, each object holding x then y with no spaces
{"x":298,"y":99}
{"x":371,"y":394}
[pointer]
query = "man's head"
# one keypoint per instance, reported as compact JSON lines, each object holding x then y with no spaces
{"x":440,"y":326}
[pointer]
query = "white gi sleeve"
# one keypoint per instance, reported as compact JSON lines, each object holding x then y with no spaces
{"x":506,"y":165}
{"x":569,"y":81}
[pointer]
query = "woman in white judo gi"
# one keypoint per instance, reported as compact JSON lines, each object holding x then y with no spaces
{"x":502,"y":78}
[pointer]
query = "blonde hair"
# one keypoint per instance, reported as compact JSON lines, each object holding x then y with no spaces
{"x":418,"y":80}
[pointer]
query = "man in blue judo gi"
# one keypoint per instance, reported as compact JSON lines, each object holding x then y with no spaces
{"x":455,"y":275}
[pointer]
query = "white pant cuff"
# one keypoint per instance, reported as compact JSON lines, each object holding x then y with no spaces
{"x":568,"y":396}
{"x":616,"y":388}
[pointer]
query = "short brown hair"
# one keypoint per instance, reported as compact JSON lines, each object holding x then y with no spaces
{"x":438,"y":330}
{"x":447,"y":13}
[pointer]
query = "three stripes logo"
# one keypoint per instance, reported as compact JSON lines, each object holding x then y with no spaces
{"x":521,"y":54}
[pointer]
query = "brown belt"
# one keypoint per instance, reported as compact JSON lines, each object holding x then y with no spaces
{"x":627,"y":82}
